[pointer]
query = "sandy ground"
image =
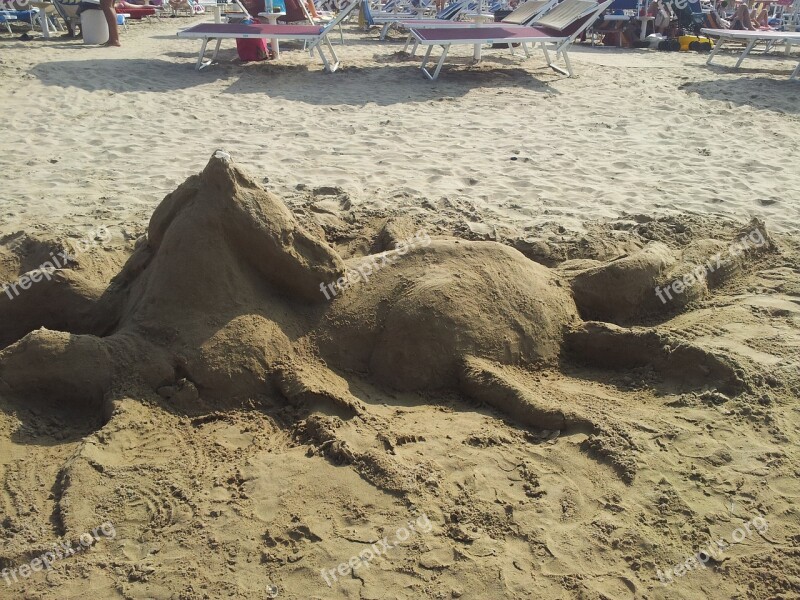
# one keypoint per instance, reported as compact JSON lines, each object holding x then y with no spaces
{"x":213,"y":500}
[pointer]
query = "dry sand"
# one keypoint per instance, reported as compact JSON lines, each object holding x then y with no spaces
{"x":241,"y":433}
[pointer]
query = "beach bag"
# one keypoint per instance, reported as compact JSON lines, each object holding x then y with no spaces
{"x":252,"y":49}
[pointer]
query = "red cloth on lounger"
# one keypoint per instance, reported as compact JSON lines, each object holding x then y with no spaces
{"x":294,"y":12}
{"x":136,"y":12}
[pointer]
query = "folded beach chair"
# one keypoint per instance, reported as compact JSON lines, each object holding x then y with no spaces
{"x":68,"y":11}
{"x":313,"y":35}
{"x":752,"y":38}
{"x":524,"y":14}
{"x":23,"y":16}
{"x":6,"y":18}
{"x":409,"y":9}
{"x":387,"y":21}
{"x":484,"y":9}
{"x":413,"y":8}
{"x":558,"y":29}
{"x":527,"y":12}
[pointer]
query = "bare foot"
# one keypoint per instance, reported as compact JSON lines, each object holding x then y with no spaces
{"x":110,"y":43}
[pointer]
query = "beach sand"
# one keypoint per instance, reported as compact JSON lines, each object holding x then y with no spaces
{"x":215,"y":491}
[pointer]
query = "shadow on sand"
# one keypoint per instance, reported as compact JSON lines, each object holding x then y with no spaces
{"x":393,"y":82}
{"x":751,"y":87}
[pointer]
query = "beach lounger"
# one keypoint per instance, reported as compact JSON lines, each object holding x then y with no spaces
{"x":524,"y":14}
{"x":6,"y":18}
{"x":558,"y":29}
{"x":752,"y":38}
{"x":314,"y":36}
{"x":68,"y":11}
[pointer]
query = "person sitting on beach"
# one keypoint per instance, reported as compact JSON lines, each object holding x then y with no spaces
{"x":760,"y":19}
{"x":741,"y":18}
{"x":312,"y":9}
{"x":177,"y":5}
{"x":716,"y":17}
{"x":662,"y":14}
{"x":125,"y":5}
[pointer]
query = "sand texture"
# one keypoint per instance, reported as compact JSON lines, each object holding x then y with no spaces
{"x":272,"y":319}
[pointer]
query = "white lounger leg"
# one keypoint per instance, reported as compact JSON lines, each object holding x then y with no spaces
{"x":385,"y":30}
{"x":330,"y":67}
{"x":796,"y":72}
{"x":446,"y":49}
{"x":557,"y":69}
{"x":717,"y":48}
{"x":547,"y":55}
{"x":408,"y":41}
{"x":524,"y":48}
{"x":425,"y":60}
{"x":749,"y":47}
{"x":201,"y":62}
{"x":567,"y":62}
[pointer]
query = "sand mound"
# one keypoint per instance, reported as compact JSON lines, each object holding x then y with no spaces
{"x":413,"y":323}
{"x":657,"y":280}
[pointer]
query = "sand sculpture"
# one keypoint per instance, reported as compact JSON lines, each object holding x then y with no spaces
{"x":224,"y":295}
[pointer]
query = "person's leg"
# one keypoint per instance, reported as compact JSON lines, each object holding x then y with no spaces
{"x":111,"y":19}
{"x":741,"y":18}
{"x":746,"y":20}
